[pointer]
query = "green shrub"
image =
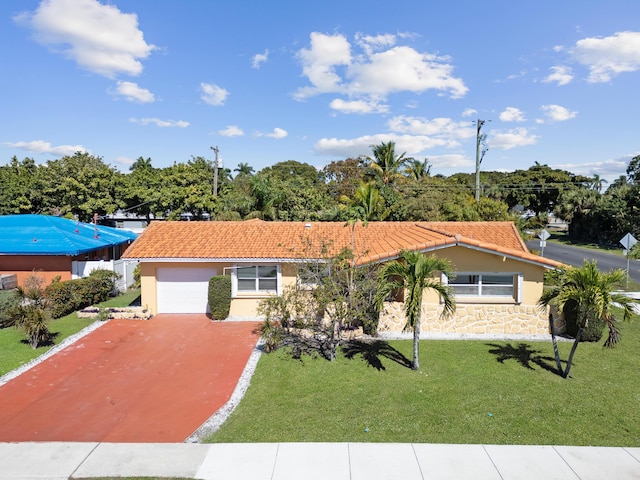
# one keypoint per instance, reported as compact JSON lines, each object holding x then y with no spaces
{"x":8,"y":300}
{"x":219,"y":297}
{"x":595,"y":327}
{"x":72,"y":295}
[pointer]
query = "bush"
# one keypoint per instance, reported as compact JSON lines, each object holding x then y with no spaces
{"x":219,"y":297}
{"x":595,"y":327}
{"x":8,"y":300}
{"x":72,"y":295}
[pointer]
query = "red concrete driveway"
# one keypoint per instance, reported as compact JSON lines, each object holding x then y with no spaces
{"x":129,"y":381}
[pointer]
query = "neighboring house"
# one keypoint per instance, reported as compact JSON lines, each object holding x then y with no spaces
{"x":56,"y":246}
{"x":497,"y":286}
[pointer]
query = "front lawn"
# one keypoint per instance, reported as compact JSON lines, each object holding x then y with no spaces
{"x":15,"y":352}
{"x":489,"y":392}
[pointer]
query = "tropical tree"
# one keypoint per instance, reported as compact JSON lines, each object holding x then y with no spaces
{"x":592,"y":294}
{"x":367,"y":204}
{"x":244,"y":169}
{"x":415,"y":272}
{"x":32,"y":312}
{"x":385,"y":165}
{"x":416,"y":169}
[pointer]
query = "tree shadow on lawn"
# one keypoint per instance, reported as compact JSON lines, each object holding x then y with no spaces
{"x":524,"y":355}
{"x":371,"y":352}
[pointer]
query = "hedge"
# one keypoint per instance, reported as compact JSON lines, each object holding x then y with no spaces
{"x":72,"y":295}
{"x":219,"y":297}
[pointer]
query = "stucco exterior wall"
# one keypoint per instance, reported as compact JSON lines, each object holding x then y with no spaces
{"x":46,"y":266}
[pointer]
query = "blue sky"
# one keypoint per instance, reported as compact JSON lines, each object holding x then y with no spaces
{"x":555,"y":81}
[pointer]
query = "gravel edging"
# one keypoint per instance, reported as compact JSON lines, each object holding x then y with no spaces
{"x":52,"y":351}
{"x":220,"y":416}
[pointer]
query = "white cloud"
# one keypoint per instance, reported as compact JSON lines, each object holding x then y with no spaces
{"x":99,"y":38}
{"x":512,"y":114}
{"x":277,"y":133}
{"x":381,"y":68}
{"x":358,"y":106}
{"x":160,"y":123}
{"x":133,"y":93}
{"x":412,"y":145}
{"x":40,"y":146}
{"x":469,"y":112}
{"x":518,"y":137}
{"x":609,"y":170}
{"x":450,"y":161}
{"x":213,"y":94}
{"x":125,"y":161}
{"x":556,"y":113}
{"x":560,"y":75}
{"x":442,"y":128}
{"x":231,"y":131}
{"x":259,"y":58}
{"x":606,"y":57}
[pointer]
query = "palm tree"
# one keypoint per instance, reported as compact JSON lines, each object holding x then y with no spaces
{"x":385,"y":164}
{"x":417,"y":169}
{"x":415,"y":272}
{"x":244,"y":169}
{"x":33,"y":311}
{"x":592,"y":293}
{"x":367,"y":204}
{"x":597,"y":183}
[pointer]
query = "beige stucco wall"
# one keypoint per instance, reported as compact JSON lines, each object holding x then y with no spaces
{"x":242,"y":306}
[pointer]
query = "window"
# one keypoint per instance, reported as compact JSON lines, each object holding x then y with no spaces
{"x":483,"y":285}
{"x":312,"y":274}
{"x":256,"y":279}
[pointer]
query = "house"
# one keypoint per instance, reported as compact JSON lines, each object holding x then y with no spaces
{"x":56,"y":246}
{"x":497,"y":285}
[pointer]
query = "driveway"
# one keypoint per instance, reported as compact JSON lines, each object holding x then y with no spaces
{"x":129,"y":381}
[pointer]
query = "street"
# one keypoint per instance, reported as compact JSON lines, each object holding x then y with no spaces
{"x":576,"y":255}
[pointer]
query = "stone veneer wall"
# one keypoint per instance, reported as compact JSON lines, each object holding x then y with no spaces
{"x":473,"y":319}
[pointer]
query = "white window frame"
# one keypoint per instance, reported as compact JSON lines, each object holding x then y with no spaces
{"x":517,"y":286}
{"x":323,"y":270}
{"x":235,"y":292}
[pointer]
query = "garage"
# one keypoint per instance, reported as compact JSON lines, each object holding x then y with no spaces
{"x":183,"y":290}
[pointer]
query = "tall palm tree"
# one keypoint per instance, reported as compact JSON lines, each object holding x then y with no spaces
{"x":416,"y":169}
{"x":385,"y":164}
{"x":367,"y":204}
{"x":593,"y":294}
{"x":414,"y":272}
{"x":244,"y":169}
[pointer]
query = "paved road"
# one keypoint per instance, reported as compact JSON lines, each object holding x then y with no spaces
{"x":576,"y":256}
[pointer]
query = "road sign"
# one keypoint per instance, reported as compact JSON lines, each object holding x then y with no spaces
{"x":544,"y":235}
{"x":628,"y":241}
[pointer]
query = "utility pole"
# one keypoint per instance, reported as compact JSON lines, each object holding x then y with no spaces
{"x":215,"y":171}
{"x":479,"y":154}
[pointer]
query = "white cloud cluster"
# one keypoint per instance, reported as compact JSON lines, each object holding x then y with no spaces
{"x":160,"y":123}
{"x":277,"y":133}
{"x":518,"y":137}
{"x":379,"y":68}
{"x":133,"y":93}
{"x":557,"y":113}
{"x":259,"y":58}
{"x":606,"y":57}
{"x":231,"y":131}
{"x":512,"y":114}
{"x":213,"y":94}
{"x":99,"y":38}
{"x":559,"y":75}
{"x":40,"y":146}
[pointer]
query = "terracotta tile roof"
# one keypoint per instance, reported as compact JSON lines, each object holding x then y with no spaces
{"x":290,"y":240}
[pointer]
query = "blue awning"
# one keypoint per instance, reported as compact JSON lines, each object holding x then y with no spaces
{"x":47,"y":235}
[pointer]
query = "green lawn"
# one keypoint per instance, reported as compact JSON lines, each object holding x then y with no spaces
{"x":15,"y":352}
{"x":462,"y":395}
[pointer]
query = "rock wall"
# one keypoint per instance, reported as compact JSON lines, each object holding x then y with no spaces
{"x":473,"y":319}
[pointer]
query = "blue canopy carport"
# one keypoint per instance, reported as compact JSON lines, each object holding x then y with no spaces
{"x":52,"y":244}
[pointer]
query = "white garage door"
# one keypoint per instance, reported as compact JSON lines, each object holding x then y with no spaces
{"x":183,"y":290}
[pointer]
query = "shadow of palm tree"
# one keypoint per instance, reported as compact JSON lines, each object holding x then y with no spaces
{"x":371,"y":352}
{"x":524,"y":355}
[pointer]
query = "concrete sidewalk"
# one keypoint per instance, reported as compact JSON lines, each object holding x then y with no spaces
{"x":309,"y":461}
